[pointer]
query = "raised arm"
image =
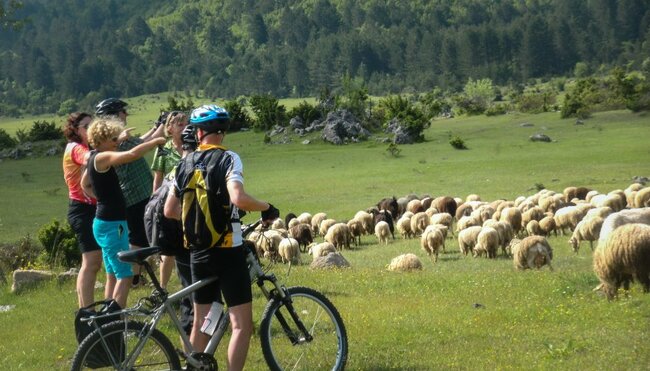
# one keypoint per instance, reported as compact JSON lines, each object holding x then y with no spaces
{"x":105,"y":160}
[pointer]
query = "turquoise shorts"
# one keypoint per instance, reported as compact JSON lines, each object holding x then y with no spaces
{"x":113,"y":237}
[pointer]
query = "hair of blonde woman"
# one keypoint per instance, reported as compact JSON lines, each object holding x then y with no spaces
{"x":174,"y":118}
{"x":103,"y":129}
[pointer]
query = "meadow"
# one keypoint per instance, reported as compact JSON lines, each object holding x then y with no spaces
{"x":417,"y":321}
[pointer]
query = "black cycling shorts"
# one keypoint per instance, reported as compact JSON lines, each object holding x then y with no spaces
{"x":135,"y":221}
{"x":229,"y":264}
{"x":80,"y":218}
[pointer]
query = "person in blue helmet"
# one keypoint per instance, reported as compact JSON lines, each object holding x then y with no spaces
{"x":227,"y":257}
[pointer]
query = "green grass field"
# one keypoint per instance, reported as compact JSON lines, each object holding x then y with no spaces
{"x":416,"y":321}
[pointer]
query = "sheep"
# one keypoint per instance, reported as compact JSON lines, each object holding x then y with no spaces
{"x":304,"y":218}
{"x":547,"y":225}
{"x":487,"y":242}
{"x":466,"y":222}
{"x":482,"y":213}
{"x":405,"y":263}
{"x":512,"y":215}
{"x":467,"y":239}
{"x":536,"y":213}
{"x":339,"y":236}
{"x":321,"y":249}
{"x":624,"y":256}
{"x":445,"y":204}
{"x":278,"y":224}
{"x":315,"y":222}
{"x":642,"y":198}
{"x":602,"y":212}
{"x":587,"y":230}
{"x":267,"y":244}
{"x":567,"y":217}
{"x":419,"y":222}
{"x":472,"y":197}
{"x":532,"y":252}
{"x":442,"y":218}
{"x":404,"y":227}
{"x":426,"y":202}
{"x":414,"y":206}
{"x":385,"y":216}
{"x":499,"y":209}
{"x":431,"y":241}
{"x":325,"y":225}
{"x":302,"y":233}
{"x":293,"y":222}
{"x":289,"y":251}
{"x":533,"y":228}
{"x":382,"y":231}
{"x":356,"y":230}
{"x":613,"y":200}
{"x":366,"y":221}
{"x":288,"y":217}
{"x":508,"y":250}
{"x":622,"y":217}
{"x":463,"y":210}
{"x":390,"y":205}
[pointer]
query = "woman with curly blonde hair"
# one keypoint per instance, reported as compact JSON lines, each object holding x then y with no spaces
{"x":101,"y":181}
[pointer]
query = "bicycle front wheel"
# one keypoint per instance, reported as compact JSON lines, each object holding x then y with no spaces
{"x":324,"y":346}
{"x":117,"y":348}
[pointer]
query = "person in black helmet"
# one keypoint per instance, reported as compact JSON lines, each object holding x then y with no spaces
{"x":227,"y":257}
{"x":136,"y":179}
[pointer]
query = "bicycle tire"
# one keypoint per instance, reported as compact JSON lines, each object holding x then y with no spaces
{"x":157,"y":352}
{"x":329,"y":348}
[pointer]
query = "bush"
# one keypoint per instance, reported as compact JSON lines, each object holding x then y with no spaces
{"x":536,"y":101}
{"x":434,"y":104}
{"x":175,"y":105}
{"x":19,"y":255}
{"x":43,"y":130}
{"x":497,"y":109}
{"x":6,"y":141}
{"x":457,"y":142}
{"x":411,"y":117}
{"x":239,"y":118}
{"x":307,"y":112}
{"x":269,"y":112}
{"x":60,"y":244}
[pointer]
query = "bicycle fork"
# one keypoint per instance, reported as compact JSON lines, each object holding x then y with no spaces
{"x":280,"y":294}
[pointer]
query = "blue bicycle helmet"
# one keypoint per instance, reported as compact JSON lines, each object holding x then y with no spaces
{"x":110,"y":106}
{"x":210,"y":118}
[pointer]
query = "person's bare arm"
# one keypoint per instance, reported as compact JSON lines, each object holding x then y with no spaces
{"x":105,"y":160}
{"x":86,"y":186}
{"x":157,"y":179}
{"x":172,"y":208}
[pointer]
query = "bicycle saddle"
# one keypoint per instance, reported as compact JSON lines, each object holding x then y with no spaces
{"x":139,"y":255}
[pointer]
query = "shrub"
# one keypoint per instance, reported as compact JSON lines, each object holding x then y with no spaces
{"x":307,"y":112}
{"x":60,"y":244}
{"x":269,"y":112}
{"x":536,"y":101}
{"x":238,"y":116}
{"x":457,"y":142}
{"x":175,"y":105}
{"x":434,"y":104}
{"x":20,"y":254}
{"x":393,"y":150}
{"x":411,"y":118}
{"x":43,"y":130}
{"x":497,"y":109}
{"x":6,"y":141}
{"x":22,"y":136}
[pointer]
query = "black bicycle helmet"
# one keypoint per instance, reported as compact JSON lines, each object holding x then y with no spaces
{"x":110,"y":106}
{"x":210,"y":118}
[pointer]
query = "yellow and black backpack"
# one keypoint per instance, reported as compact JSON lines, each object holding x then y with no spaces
{"x":205,"y":203}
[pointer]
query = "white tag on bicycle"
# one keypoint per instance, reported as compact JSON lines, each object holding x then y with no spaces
{"x":212,"y":319}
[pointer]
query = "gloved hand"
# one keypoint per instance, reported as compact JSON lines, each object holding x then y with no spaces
{"x":188,"y":136}
{"x":270,"y":214}
{"x":161,"y":119}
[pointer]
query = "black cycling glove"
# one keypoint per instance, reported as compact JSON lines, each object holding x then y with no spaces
{"x":271,"y":213}
{"x":188,"y":136}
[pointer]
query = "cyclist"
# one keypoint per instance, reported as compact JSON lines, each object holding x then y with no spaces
{"x":81,"y":209}
{"x":164,"y":161}
{"x":100,"y":180}
{"x":226,"y":260}
{"x":136,"y":180}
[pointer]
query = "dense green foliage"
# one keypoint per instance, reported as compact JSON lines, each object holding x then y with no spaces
{"x":60,"y":244}
{"x":86,"y":50}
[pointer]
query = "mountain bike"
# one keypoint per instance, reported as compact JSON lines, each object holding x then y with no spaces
{"x":300,"y":328}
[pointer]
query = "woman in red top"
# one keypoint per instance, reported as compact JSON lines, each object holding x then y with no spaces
{"x":81,"y":209}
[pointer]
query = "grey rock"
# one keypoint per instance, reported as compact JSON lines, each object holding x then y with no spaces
{"x":306,"y":141}
{"x":526,"y":125}
{"x":341,"y":127}
{"x":26,"y":278}
{"x":331,"y":260}
{"x":296,"y":123}
{"x":540,"y":138}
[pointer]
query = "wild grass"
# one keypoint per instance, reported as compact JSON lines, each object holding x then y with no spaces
{"x":461,"y":313}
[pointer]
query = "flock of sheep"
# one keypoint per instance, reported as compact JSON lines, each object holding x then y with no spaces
{"x":618,"y":221}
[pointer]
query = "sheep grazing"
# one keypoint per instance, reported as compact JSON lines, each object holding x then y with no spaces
{"x":415,"y":206}
{"x":568,"y":217}
{"x":512,"y":215}
{"x":405,"y":263}
{"x":390,"y":205}
{"x":267,"y":244}
{"x":532,"y":252}
{"x":622,"y":217}
{"x":356,"y":231}
{"x":385,"y":216}
{"x":315,"y":222}
{"x":467,"y":239}
{"x":419,"y":222}
{"x":442,"y":218}
{"x":382,"y":231}
{"x":278,"y":224}
{"x":472,"y":197}
{"x":445,"y":204}
{"x":339,"y":236}
{"x":431,"y":241}
{"x":535,"y":213}
{"x":304,"y":218}
{"x":587,"y":230}
{"x":366,"y":221}
{"x":642,"y":198}
{"x":325,"y":225}
{"x":302,"y":233}
{"x":321,"y":249}
{"x":289,"y":251}
{"x":404,"y":227}
{"x":547,"y":225}
{"x":623,"y":257}
{"x":487,"y":242}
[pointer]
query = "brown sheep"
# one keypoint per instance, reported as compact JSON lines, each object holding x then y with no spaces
{"x":622,"y":258}
{"x":532,"y":252}
{"x":302,"y":233}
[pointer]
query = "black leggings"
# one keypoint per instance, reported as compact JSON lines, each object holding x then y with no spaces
{"x":229,"y":264}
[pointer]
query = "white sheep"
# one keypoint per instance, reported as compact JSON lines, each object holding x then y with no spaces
{"x":278,"y":224}
{"x":356,"y":231}
{"x":642,"y":198}
{"x":532,"y":252}
{"x":304,"y":218}
{"x":512,"y":215}
{"x":404,"y":227}
{"x":289,"y":251}
{"x":622,"y":217}
{"x":624,"y":256}
{"x":535,"y":213}
{"x":382,"y":231}
{"x":568,"y":217}
{"x":533,"y":228}
{"x":467,"y":239}
{"x":321,"y":249}
{"x":325,"y":225}
{"x":487,"y":242}
{"x":414,"y":206}
{"x":366,"y":220}
{"x":405,"y":263}
{"x":588,"y":229}
{"x":466,"y":222}
{"x":315,"y":222}
{"x":419,"y":222}
{"x":339,"y":236}
{"x":431,"y":241}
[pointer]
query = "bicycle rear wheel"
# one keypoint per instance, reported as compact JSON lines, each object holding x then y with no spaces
{"x":285,"y":347}
{"x":120,"y":340}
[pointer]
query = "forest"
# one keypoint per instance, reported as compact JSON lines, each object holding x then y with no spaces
{"x":84,"y":50}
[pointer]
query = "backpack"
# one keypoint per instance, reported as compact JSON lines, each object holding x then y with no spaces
{"x":205,"y":207}
{"x":98,"y":358}
{"x":161,"y":231}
